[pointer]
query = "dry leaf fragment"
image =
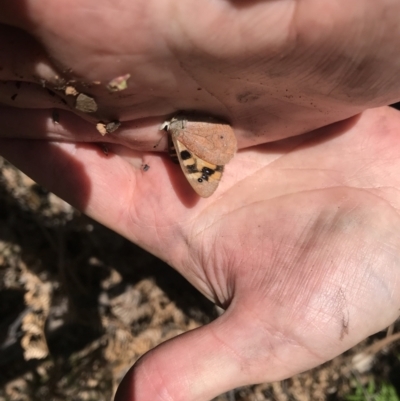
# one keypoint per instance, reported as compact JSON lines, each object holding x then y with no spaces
{"x":108,"y":128}
{"x":119,"y":83}
{"x":112,"y":126}
{"x":85,"y":103}
{"x":71,"y":91}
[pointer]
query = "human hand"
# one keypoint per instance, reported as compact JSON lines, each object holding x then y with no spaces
{"x":272,"y":69}
{"x":299,"y":244}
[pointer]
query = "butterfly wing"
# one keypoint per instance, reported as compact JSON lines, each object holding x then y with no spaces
{"x":210,"y":139}
{"x":203,"y":176}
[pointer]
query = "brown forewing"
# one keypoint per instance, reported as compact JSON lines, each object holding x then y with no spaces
{"x":208,"y":138}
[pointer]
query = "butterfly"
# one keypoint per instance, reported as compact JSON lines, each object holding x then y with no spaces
{"x":202,"y":146}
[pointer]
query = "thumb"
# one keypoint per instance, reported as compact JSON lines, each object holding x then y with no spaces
{"x":203,"y":363}
{"x":197,"y":365}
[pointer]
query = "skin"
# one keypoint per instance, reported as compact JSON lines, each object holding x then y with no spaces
{"x":300,"y":243}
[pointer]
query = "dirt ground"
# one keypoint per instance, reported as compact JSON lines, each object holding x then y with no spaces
{"x":79,"y":305}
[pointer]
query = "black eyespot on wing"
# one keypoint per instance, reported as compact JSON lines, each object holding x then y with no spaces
{"x":185,"y":155}
{"x":207,"y":171}
{"x":192,"y":168}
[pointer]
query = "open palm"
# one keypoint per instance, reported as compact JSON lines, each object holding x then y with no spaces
{"x":299,"y":244}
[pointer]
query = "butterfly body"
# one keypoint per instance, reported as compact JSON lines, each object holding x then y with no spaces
{"x":202,"y":146}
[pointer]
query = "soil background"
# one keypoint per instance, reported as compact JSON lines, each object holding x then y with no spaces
{"x":79,"y":305}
